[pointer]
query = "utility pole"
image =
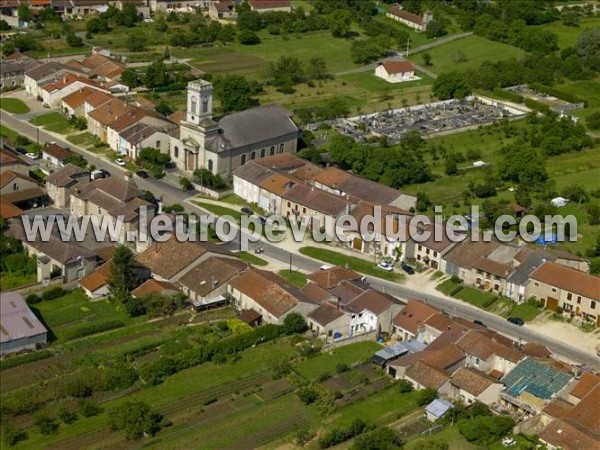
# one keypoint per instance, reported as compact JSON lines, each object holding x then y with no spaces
{"x":290,"y":262}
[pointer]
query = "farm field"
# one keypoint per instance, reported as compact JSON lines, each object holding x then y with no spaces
{"x":476,"y":50}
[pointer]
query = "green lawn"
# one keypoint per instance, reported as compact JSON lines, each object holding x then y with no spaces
{"x":296,"y":278}
{"x":475,"y":49}
{"x":54,"y":122}
{"x":525,"y":311}
{"x":449,"y":435}
{"x":368,"y":81}
{"x":13,"y":105}
{"x":448,"y":286}
{"x":326,"y":362}
{"x":476,"y":297}
{"x":251,"y":258}
{"x":84,"y":139}
{"x":7,"y":133}
{"x":357,"y":264}
{"x":219,"y":210}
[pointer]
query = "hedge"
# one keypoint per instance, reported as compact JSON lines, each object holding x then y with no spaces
{"x":567,"y":97}
{"x":537,"y":106}
{"x":93,"y":329}
{"x":24,"y":359}
{"x":508,"y":95}
{"x":52,"y":293}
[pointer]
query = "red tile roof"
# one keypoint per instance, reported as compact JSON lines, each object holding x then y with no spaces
{"x":96,"y":279}
{"x":330,"y":278}
{"x":414,"y":314}
{"x":152,"y":286}
{"x":568,"y":279}
{"x":393,"y":67}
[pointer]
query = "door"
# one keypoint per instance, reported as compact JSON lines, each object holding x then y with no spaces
{"x":551,"y":303}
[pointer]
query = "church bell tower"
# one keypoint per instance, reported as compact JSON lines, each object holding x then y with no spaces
{"x":199,"y":101}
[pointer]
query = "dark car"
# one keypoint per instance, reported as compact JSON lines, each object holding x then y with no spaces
{"x":516,"y":321}
{"x":247,"y":210}
{"x":142,"y":174}
{"x":105,"y":172}
{"x":480,"y":323}
{"x":409,"y":270}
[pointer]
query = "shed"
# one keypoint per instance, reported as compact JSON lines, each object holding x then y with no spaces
{"x":437,"y":408}
{"x":395,"y":351}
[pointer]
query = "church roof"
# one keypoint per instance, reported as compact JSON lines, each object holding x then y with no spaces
{"x":253,"y":126}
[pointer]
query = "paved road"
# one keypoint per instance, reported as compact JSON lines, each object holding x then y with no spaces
{"x":173,"y":194}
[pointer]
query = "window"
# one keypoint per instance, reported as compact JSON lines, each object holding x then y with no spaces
{"x":193,"y":105}
{"x":536,"y":284}
{"x":176,"y":152}
{"x":477,"y":361}
{"x":262,"y":153}
{"x":158,"y":144}
{"x":592,"y":304}
{"x":289,"y":204}
{"x":280,"y":148}
{"x":304,"y":210}
{"x":553,"y":289}
{"x":420,"y":248}
{"x":204,"y":105}
{"x":272,"y":151}
{"x":99,"y":210}
{"x":579,"y":299}
{"x":243,"y":159}
{"x":435,"y":254}
{"x":210,"y":165}
{"x":253,"y":155}
{"x":569,"y":296}
{"x":15,"y":186}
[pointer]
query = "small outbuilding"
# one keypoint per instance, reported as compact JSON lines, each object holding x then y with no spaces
{"x":19,"y":326}
{"x":559,"y":202}
{"x":437,"y":408}
{"x":396,"y":71}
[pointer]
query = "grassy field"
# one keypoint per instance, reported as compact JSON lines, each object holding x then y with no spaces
{"x":357,"y":264}
{"x":251,"y":258}
{"x":296,"y":278}
{"x":335,"y":52}
{"x":219,"y":210}
{"x":586,"y":89}
{"x":567,"y":36}
{"x":368,"y":81}
{"x":326,"y":362}
{"x":475,"y":49}
{"x":10,"y":280}
{"x":13,"y":105}
{"x":475,"y":297}
{"x":449,"y":435}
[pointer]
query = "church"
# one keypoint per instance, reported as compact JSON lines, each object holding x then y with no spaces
{"x":223,"y":144}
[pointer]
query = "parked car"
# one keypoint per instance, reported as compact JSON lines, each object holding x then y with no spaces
{"x":408,"y":269}
{"x":105,"y":172}
{"x":386,"y":266}
{"x":480,"y":323}
{"x":120,"y":162}
{"x":142,"y":174}
{"x":247,"y":210}
{"x":97,"y":174}
{"x":516,"y":321}
{"x":32,"y":155}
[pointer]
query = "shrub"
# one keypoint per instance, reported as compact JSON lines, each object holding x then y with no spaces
{"x":485,"y":430}
{"x":88,"y":408}
{"x":308,"y":395}
{"x":426,"y":396}
{"x":53,"y":293}
{"x":341,"y":368}
{"x":378,"y":439}
{"x":78,"y":388}
{"x":294,"y":323}
{"x":67,"y":416}
{"x":405,"y":386}
{"x":11,"y":435}
{"x":45,"y":424}
{"x":324,"y":377}
{"x":343,"y":433}
{"x":32,"y":299}
{"x":24,"y":359}
{"x":135,"y":419}
{"x":209,"y":401}
{"x":92,"y":329}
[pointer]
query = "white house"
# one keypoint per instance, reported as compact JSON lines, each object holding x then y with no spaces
{"x":396,"y":71}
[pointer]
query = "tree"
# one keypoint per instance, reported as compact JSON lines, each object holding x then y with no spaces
{"x":128,"y":16}
{"x":405,"y":386}
{"x":130,"y":78}
{"x":234,"y":93}
{"x":164,"y":108}
{"x":123,"y":277}
{"x":339,"y":23}
{"x":135,"y":419}
{"x":136,"y":42}
{"x":4,"y":26}
{"x":316,"y":69}
{"x":247,"y":37}
{"x":24,"y":12}
{"x":588,"y":47}
{"x":570,"y":18}
{"x":77,"y":160}
{"x":427,"y":59}
{"x":485,"y":430}
{"x":426,"y":396}
{"x":435,"y":29}
{"x":162,"y":305}
{"x":48,"y":15}
{"x":451,"y":166}
{"x":307,"y":395}
{"x":294,"y":323}
{"x":156,"y":75}
{"x":45,"y":424}
{"x":593,"y":121}
{"x":451,"y":85}
{"x":381,"y":438}
{"x":97,"y":25}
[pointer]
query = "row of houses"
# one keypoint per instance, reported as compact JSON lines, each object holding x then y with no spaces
{"x":294,"y":188}
{"x":468,"y":363}
{"x":226,"y":9}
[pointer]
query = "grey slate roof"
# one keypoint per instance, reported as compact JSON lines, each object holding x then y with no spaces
{"x":520,"y":275}
{"x":63,"y":177}
{"x":255,"y":125}
{"x":253,"y":173}
{"x":45,"y":70}
{"x":16,"y":319}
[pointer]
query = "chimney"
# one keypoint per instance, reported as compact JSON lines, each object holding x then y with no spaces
{"x":347,"y":208}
